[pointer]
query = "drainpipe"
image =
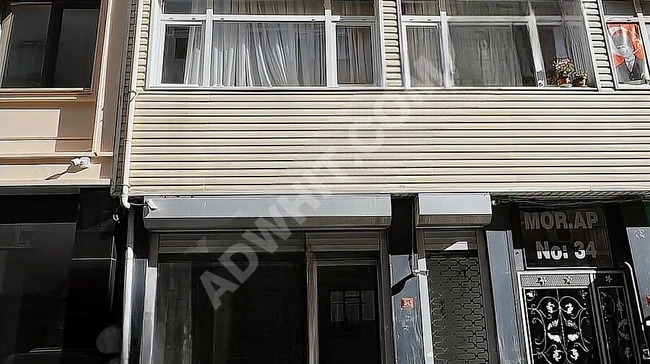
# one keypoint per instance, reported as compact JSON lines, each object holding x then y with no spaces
{"x":124,"y":196}
{"x":128,"y":289}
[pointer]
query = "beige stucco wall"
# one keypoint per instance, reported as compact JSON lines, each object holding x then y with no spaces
{"x":42,"y":129}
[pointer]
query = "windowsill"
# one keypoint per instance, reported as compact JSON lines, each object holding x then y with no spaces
{"x":341,"y":88}
{"x":45,"y":94}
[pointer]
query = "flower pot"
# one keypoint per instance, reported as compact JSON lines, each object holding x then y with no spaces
{"x":563,"y":81}
{"x":579,"y":82}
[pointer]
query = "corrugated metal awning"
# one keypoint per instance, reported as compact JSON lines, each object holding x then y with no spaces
{"x":269,"y":212}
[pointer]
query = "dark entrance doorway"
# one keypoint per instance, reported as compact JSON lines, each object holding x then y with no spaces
{"x":348,"y":314}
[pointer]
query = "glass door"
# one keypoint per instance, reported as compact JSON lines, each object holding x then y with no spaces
{"x":577,"y":318}
{"x":347,"y":317}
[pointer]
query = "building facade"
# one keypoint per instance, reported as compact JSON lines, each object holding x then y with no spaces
{"x":436,"y":181}
{"x":60,"y":285}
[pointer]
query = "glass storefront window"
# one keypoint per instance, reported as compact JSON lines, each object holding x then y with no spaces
{"x":35,"y":262}
{"x":263,"y":320}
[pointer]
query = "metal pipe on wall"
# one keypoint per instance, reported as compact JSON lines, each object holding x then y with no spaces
{"x":128,"y":289}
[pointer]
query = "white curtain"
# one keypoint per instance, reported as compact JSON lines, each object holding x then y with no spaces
{"x":420,"y":7}
{"x":487,"y":7}
{"x":575,"y":36}
{"x":267,"y":54}
{"x":485,"y":56}
{"x":354,"y":53}
{"x":425,"y":63}
{"x":193,"y":57}
{"x":268,"y":7}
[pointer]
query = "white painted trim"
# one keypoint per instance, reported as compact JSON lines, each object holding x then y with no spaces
{"x":381,"y":53}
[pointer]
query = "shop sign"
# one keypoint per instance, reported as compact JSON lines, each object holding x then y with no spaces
{"x":565,"y":238}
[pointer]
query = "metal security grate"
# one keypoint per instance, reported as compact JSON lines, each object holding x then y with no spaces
{"x":457,"y":312}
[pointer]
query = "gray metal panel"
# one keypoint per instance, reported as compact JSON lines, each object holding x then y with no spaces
{"x":639,"y":238}
{"x":284,"y":211}
{"x":449,"y":239}
{"x":191,"y":243}
{"x":505,"y":298}
{"x":343,"y":241}
{"x":454,"y":209}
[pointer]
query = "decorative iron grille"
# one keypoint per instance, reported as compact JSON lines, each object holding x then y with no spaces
{"x":457,"y":311}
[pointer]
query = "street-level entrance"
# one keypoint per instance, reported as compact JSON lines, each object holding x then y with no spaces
{"x":574,"y":317}
{"x":347,"y":314}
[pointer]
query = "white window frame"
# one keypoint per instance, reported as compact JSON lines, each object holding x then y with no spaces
{"x":160,"y":21}
{"x":641,"y":19}
{"x":443,"y":22}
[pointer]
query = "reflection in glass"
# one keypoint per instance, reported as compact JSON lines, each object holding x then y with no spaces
{"x":628,"y":54}
{"x":182,"y":60}
{"x":354,"y":53}
{"x":263,"y":320}
{"x":35,"y":261}
{"x":492,"y":55}
{"x":26,"y":48}
{"x":76,"y":52}
{"x":425,"y":63}
{"x":269,"y":7}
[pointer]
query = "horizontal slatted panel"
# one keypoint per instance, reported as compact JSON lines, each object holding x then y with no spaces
{"x":390,"y":141}
{"x":449,"y":239}
{"x":192,"y":243}
{"x":598,"y":45}
{"x":391,"y":43}
{"x":341,"y":241}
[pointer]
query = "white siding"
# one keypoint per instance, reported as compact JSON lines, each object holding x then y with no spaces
{"x":216,"y":143}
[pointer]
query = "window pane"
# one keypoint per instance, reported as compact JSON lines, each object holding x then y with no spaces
{"x":565,"y":41}
{"x":353,"y":7}
{"x":628,"y":53}
{"x":35,"y":262}
{"x":264,"y":320}
{"x":27,"y":43}
{"x":420,"y":7}
{"x":487,"y":7}
{"x":182,"y":61}
{"x":645,"y":6}
{"x":268,"y":54}
{"x":74,"y":61}
{"x":269,"y":7}
{"x":184,"y":6}
{"x":492,"y":56}
{"x":619,"y":7}
{"x":354,"y":53}
{"x":425,"y":63}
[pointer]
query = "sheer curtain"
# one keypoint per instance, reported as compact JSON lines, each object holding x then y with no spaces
{"x":269,"y":7}
{"x":193,"y":57}
{"x":267,"y":54}
{"x":354,"y":48}
{"x":420,"y":7}
{"x":576,"y":36}
{"x":425,"y":63}
{"x":485,"y":56}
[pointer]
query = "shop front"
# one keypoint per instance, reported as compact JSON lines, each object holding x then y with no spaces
{"x":336,"y":279}
{"x":273,"y":279}
{"x":569,"y":268}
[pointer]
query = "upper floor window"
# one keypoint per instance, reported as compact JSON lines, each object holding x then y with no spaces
{"x":499,"y":43}
{"x":48,"y":43}
{"x":628,"y":25}
{"x":231,"y":43}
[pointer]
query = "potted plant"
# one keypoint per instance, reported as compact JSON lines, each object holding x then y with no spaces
{"x":564,"y":71}
{"x":580,"y":78}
